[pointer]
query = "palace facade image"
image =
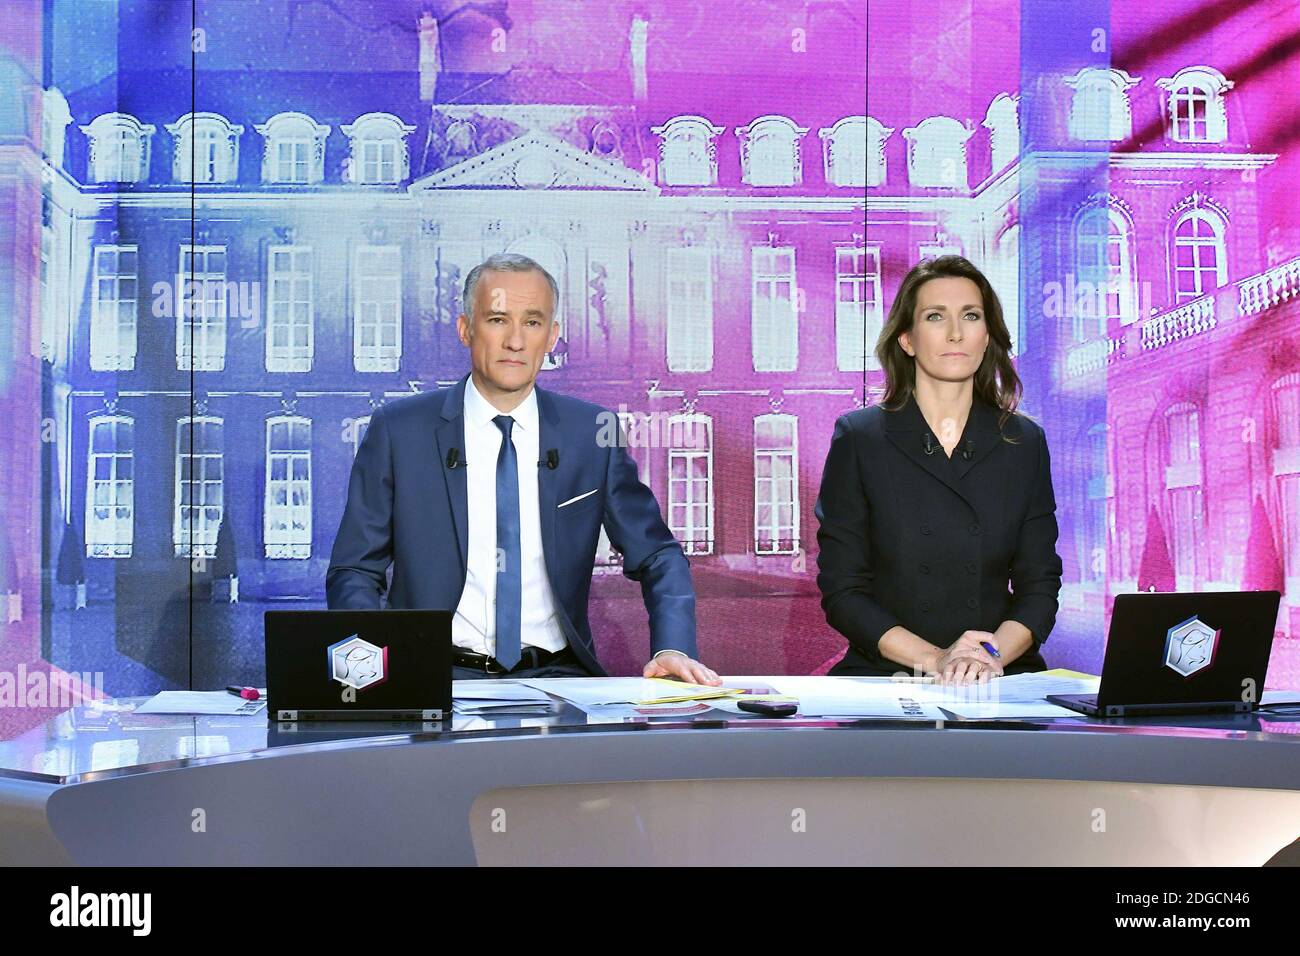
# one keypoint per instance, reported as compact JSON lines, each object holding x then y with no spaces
{"x":228,"y":276}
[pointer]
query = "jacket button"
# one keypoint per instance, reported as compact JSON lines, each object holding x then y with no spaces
{"x":972,"y":603}
{"x":970,"y":566}
{"x":925,"y":605}
{"x":925,"y":568}
{"x":975,"y":529}
{"x":925,"y":529}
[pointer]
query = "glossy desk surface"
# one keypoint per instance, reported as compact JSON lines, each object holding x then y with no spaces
{"x":96,"y":743}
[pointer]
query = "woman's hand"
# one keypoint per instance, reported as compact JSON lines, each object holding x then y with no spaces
{"x":966,"y":660}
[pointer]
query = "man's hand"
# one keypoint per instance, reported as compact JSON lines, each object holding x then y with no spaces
{"x":676,"y":664}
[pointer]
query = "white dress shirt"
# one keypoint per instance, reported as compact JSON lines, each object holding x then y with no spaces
{"x":474,"y":626}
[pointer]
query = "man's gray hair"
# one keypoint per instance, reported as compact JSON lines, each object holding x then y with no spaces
{"x":505,"y":262}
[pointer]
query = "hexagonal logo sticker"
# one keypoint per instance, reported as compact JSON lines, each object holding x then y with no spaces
{"x":1190,"y":646}
{"x":357,"y":664}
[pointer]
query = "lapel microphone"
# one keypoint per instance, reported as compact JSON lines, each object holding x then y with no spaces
{"x":967,"y":448}
{"x":453,"y":460}
{"x":552,"y":459}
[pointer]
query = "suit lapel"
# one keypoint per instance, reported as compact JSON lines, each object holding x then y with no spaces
{"x":449,"y":434}
{"x":907,"y":428}
{"x":548,"y":479}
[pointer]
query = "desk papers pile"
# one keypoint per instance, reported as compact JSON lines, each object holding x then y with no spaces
{"x":488,"y":697}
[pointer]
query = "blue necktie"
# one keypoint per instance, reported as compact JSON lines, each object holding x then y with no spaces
{"x":509,"y":590}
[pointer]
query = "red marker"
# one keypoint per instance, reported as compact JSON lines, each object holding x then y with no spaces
{"x":248,"y":693}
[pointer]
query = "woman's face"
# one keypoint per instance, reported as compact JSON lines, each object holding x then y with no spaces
{"x":949,"y":334}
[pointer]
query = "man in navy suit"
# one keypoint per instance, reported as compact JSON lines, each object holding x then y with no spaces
{"x":488,"y":497}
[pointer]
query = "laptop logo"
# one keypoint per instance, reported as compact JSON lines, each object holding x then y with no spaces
{"x":1190,"y":646}
{"x":357,"y":664}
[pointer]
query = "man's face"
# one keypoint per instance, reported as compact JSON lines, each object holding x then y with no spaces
{"x":511,"y":330}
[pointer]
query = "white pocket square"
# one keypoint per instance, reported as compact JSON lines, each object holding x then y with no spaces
{"x":586,"y":494}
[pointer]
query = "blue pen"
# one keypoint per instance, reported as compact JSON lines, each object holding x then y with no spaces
{"x":991,"y":649}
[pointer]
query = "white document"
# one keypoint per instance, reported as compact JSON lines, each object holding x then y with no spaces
{"x":1015,"y":711}
{"x":488,"y":697}
{"x":496,"y":690}
{"x":856,"y":697}
{"x":1279,"y":696}
{"x":199,"y":703}
{"x":593,"y":691}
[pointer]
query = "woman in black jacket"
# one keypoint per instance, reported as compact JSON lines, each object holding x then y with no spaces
{"x":939,"y":497}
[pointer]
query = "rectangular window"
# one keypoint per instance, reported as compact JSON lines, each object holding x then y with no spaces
{"x":776,"y":485}
{"x":690,"y":309}
{"x":292,"y":160}
{"x":690,"y":482}
{"x":858,"y":319}
{"x":775,"y":327}
{"x":377,"y":308}
{"x":200,"y":492}
{"x":110,"y":488}
{"x":114,"y":308}
{"x":379,"y":161}
{"x":119,"y":158}
{"x":208,"y":160}
{"x":287,"y":514}
{"x":1186,"y":503}
{"x":201,"y":318}
{"x":289,"y":309}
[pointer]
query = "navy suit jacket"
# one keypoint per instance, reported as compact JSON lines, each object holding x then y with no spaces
{"x":932,"y":542}
{"x":407,"y":508}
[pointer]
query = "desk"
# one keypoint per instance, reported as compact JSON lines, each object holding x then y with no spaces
{"x":114,"y":787}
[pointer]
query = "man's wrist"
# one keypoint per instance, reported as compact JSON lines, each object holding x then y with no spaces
{"x":668,"y":650}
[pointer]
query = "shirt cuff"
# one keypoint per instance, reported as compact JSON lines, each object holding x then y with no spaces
{"x":668,"y":650}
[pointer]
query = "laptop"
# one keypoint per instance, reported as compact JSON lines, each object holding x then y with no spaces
{"x":1183,"y":653}
{"x":358,"y":665}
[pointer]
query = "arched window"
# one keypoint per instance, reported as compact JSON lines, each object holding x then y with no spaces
{"x":847,"y":151}
{"x":1099,"y":110}
{"x":294,"y":150}
{"x":1200,"y":261}
{"x":55,"y":118}
{"x":769,"y":152}
{"x":207,"y":149}
{"x":379,"y":153}
{"x":110,"y":487}
{"x":936,"y":154}
{"x":119,"y":148}
{"x":1003,"y":124}
{"x":1103,"y":260}
{"x":1195,"y":103}
{"x":687,"y":151}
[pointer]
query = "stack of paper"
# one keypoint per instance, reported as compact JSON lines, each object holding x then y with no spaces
{"x":1019,"y":696}
{"x":199,"y":703}
{"x":488,"y":697}
{"x":860,"y":697}
{"x":586,"y":692}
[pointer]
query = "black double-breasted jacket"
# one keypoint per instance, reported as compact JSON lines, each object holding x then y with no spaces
{"x":939,"y":545}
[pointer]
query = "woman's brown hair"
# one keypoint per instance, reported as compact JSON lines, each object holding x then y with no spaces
{"x":996,"y":381}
